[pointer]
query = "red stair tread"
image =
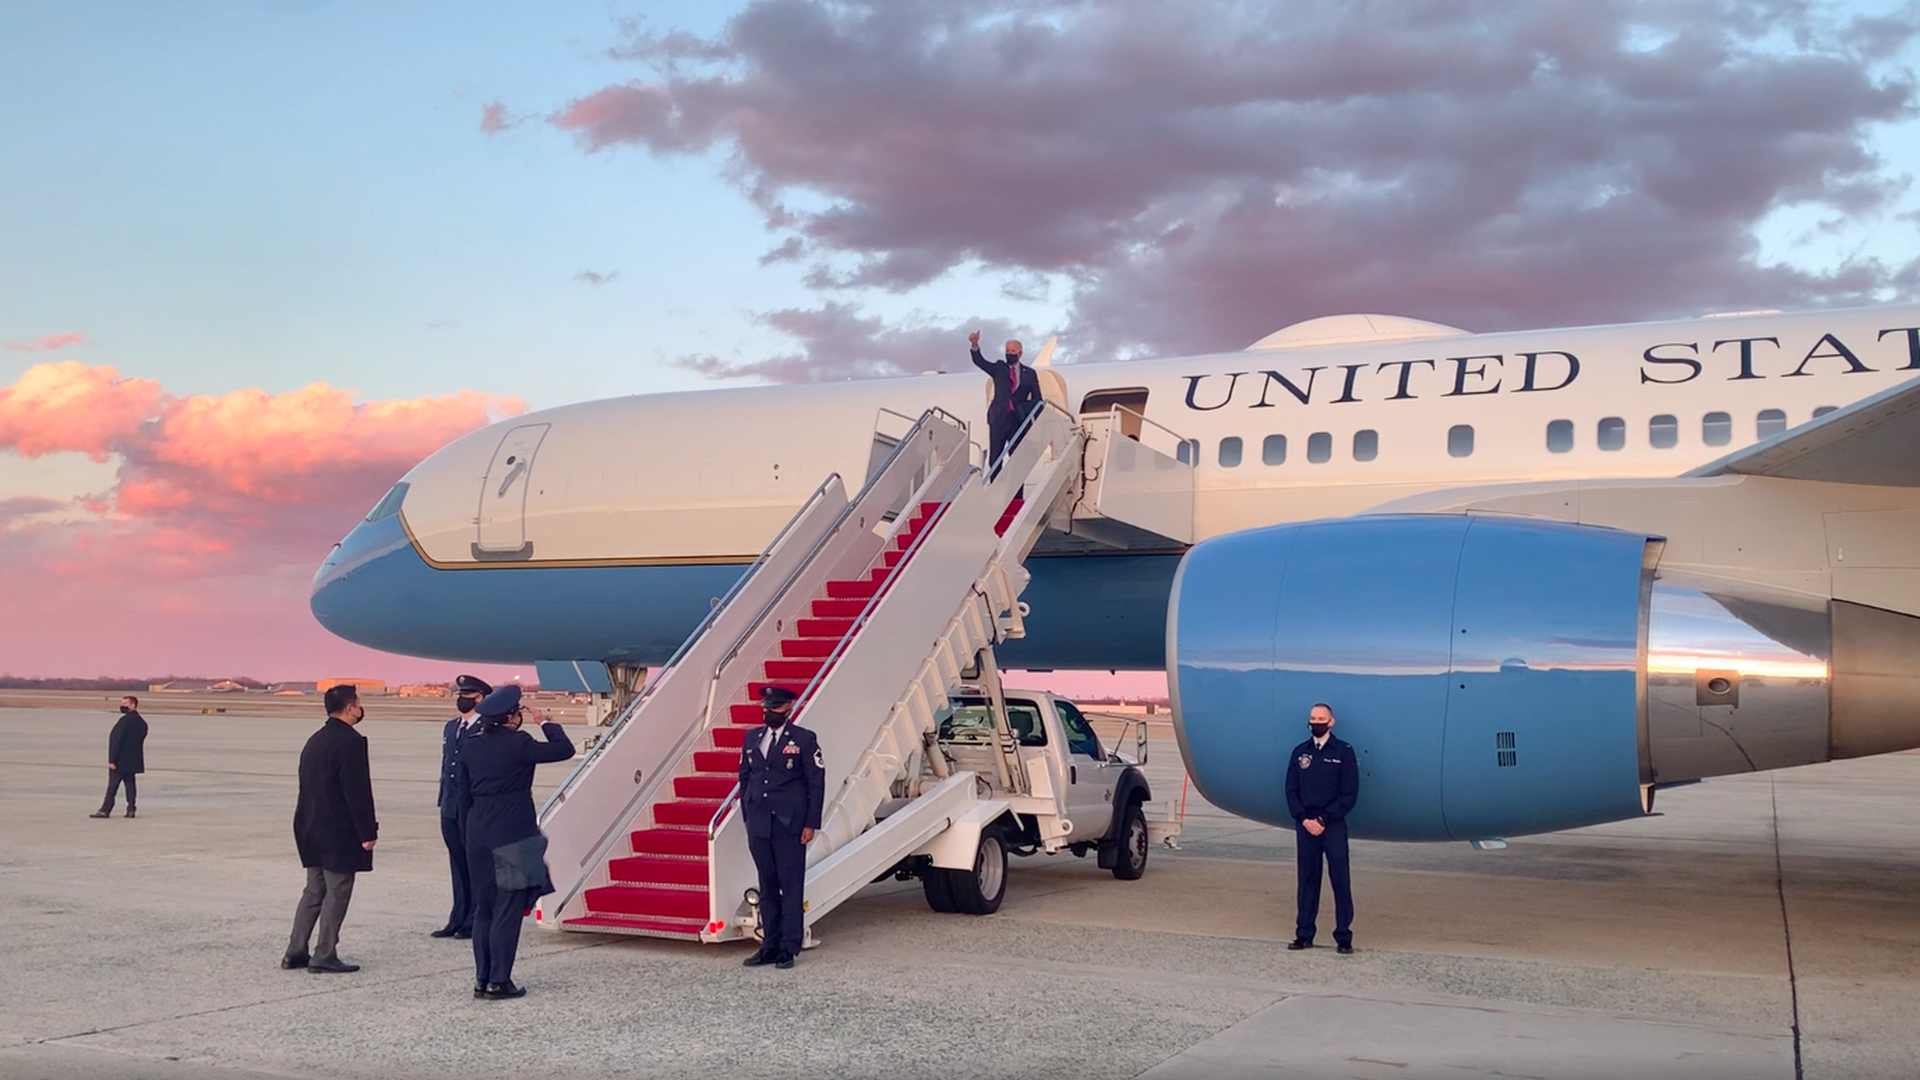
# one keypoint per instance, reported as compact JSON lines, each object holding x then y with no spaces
{"x":745,"y":714}
{"x":717,"y":761}
{"x":640,"y":900}
{"x":642,"y":870}
{"x":794,"y":669}
{"x":835,"y":628}
{"x":807,"y":648}
{"x":704,"y":787}
{"x":687,"y":928}
{"x":731,"y":737}
{"x":836,"y":609}
{"x":893,"y":557}
{"x":851,"y":590}
{"x":685,"y":811}
{"x":669,"y":842}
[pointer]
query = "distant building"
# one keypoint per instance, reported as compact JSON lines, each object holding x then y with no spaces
{"x":227,"y":686}
{"x":181,"y":686}
{"x":365,"y":686}
{"x":294,"y":688}
{"x":426,"y":690}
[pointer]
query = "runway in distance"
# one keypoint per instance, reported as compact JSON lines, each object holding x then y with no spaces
{"x":1540,"y":573}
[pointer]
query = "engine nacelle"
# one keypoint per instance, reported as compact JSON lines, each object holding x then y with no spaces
{"x":1489,"y":671}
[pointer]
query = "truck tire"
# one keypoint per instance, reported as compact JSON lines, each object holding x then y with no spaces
{"x":1130,"y":845}
{"x":979,"y":891}
{"x":933,"y":882}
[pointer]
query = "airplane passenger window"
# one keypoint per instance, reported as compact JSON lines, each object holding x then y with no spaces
{"x":1716,"y":428}
{"x":1273,"y":450}
{"x":1613,"y":433}
{"x":1771,"y":422}
{"x":1824,"y":410}
{"x":1460,"y":440}
{"x":1366,"y":445}
{"x":1189,"y":452}
{"x":1319,"y":447}
{"x":1560,"y":436}
{"x":1230,"y":452}
{"x":1663,"y":431}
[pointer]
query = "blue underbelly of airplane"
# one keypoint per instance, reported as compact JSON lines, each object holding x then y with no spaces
{"x":1088,"y":611}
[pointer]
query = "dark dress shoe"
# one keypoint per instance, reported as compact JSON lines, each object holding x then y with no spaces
{"x":759,"y":959}
{"x":504,"y":991}
{"x":101,"y":813}
{"x":332,"y":967}
{"x":1345,"y":950}
{"x":444,"y":932}
{"x":129,"y":811}
{"x":292,"y":963}
{"x":785,"y":963}
{"x":479,"y":991}
{"x":1299,"y":943}
{"x":463,"y":934}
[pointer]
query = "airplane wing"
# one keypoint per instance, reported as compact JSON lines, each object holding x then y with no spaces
{"x":1874,"y":441}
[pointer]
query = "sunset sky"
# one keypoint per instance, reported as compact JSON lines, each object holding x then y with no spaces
{"x":257,"y":259}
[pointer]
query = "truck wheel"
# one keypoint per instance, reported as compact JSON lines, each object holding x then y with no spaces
{"x":980,"y":890}
{"x":933,"y":882}
{"x":1130,"y":853}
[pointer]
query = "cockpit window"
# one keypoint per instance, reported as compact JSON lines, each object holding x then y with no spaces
{"x":389,"y":504}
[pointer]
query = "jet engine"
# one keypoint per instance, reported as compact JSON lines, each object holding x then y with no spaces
{"x":1503,"y":676}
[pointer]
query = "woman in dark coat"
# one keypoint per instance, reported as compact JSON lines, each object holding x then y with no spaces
{"x":494,"y":781}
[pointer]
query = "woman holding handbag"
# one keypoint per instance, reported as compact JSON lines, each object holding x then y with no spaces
{"x":505,"y":851}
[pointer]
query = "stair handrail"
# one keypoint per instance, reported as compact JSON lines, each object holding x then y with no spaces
{"x":1178,"y":438}
{"x":692,"y":639}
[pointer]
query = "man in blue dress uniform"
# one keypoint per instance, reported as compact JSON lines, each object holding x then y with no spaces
{"x":453,"y":817}
{"x":1323,"y":783}
{"x":783,"y":789}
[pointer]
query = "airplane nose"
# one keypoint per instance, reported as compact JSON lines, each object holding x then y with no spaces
{"x":344,"y":592}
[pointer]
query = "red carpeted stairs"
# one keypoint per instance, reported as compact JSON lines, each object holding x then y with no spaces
{"x":661,"y":889}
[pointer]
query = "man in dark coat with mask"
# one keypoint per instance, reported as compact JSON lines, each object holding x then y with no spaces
{"x":783,"y":787}
{"x":126,"y":756}
{"x":1323,"y":783}
{"x":453,"y":816}
{"x":334,"y":830}
{"x":1016,"y":393}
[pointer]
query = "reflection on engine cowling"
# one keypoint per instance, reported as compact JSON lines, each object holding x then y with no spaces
{"x":1738,"y":677}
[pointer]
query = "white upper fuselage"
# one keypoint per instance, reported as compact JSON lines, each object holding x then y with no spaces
{"x":710,"y":476}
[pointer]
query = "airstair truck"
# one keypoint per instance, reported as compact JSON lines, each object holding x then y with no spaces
{"x":872,"y":609}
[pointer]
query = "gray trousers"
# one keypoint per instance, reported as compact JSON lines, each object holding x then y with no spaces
{"x":324,"y":902}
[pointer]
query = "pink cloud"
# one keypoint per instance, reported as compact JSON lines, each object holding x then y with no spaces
{"x":50,"y":343}
{"x":222,"y":506}
{"x":494,"y":119}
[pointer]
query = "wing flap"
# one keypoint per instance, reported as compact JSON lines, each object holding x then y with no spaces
{"x":1874,"y":441}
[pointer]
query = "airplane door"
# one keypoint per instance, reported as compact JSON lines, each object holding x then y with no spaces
{"x":502,"y":519}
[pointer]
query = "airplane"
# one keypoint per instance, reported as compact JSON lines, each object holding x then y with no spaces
{"x":1540,"y":574}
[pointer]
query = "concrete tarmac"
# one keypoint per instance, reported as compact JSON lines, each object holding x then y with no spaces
{"x":1658,"y":947}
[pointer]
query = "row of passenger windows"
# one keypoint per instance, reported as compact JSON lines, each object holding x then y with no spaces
{"x":1663,"y":433}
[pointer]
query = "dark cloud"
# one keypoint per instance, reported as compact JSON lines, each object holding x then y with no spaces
{"x":25,"y":506}
{"x":595,"y":277}
{"x":1203,"y":173}
{"x":835,"y":341}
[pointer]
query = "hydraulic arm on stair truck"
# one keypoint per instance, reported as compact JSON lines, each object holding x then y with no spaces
{"x":875,"y":610}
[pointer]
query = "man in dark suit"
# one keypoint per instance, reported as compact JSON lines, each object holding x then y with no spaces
{"x":334,"y":830}
{"x":783,"y":789}
{"x":126,"y":756}
{"x":453,"y":817}
{"x":1016,"y":393}
{"x":1323,"y":783}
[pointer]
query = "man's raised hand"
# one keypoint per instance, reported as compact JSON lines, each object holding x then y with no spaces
{"x":973,"y":339}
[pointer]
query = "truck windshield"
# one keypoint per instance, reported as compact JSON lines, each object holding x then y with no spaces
{"x":970,"y":721}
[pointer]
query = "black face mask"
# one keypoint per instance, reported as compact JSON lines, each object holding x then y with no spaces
{"x":774,"y":719}
{"x":1013,"y":358}
{"x":124,"y":710}
{"x":1319,"y":729}
{"x":466,"y":704}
